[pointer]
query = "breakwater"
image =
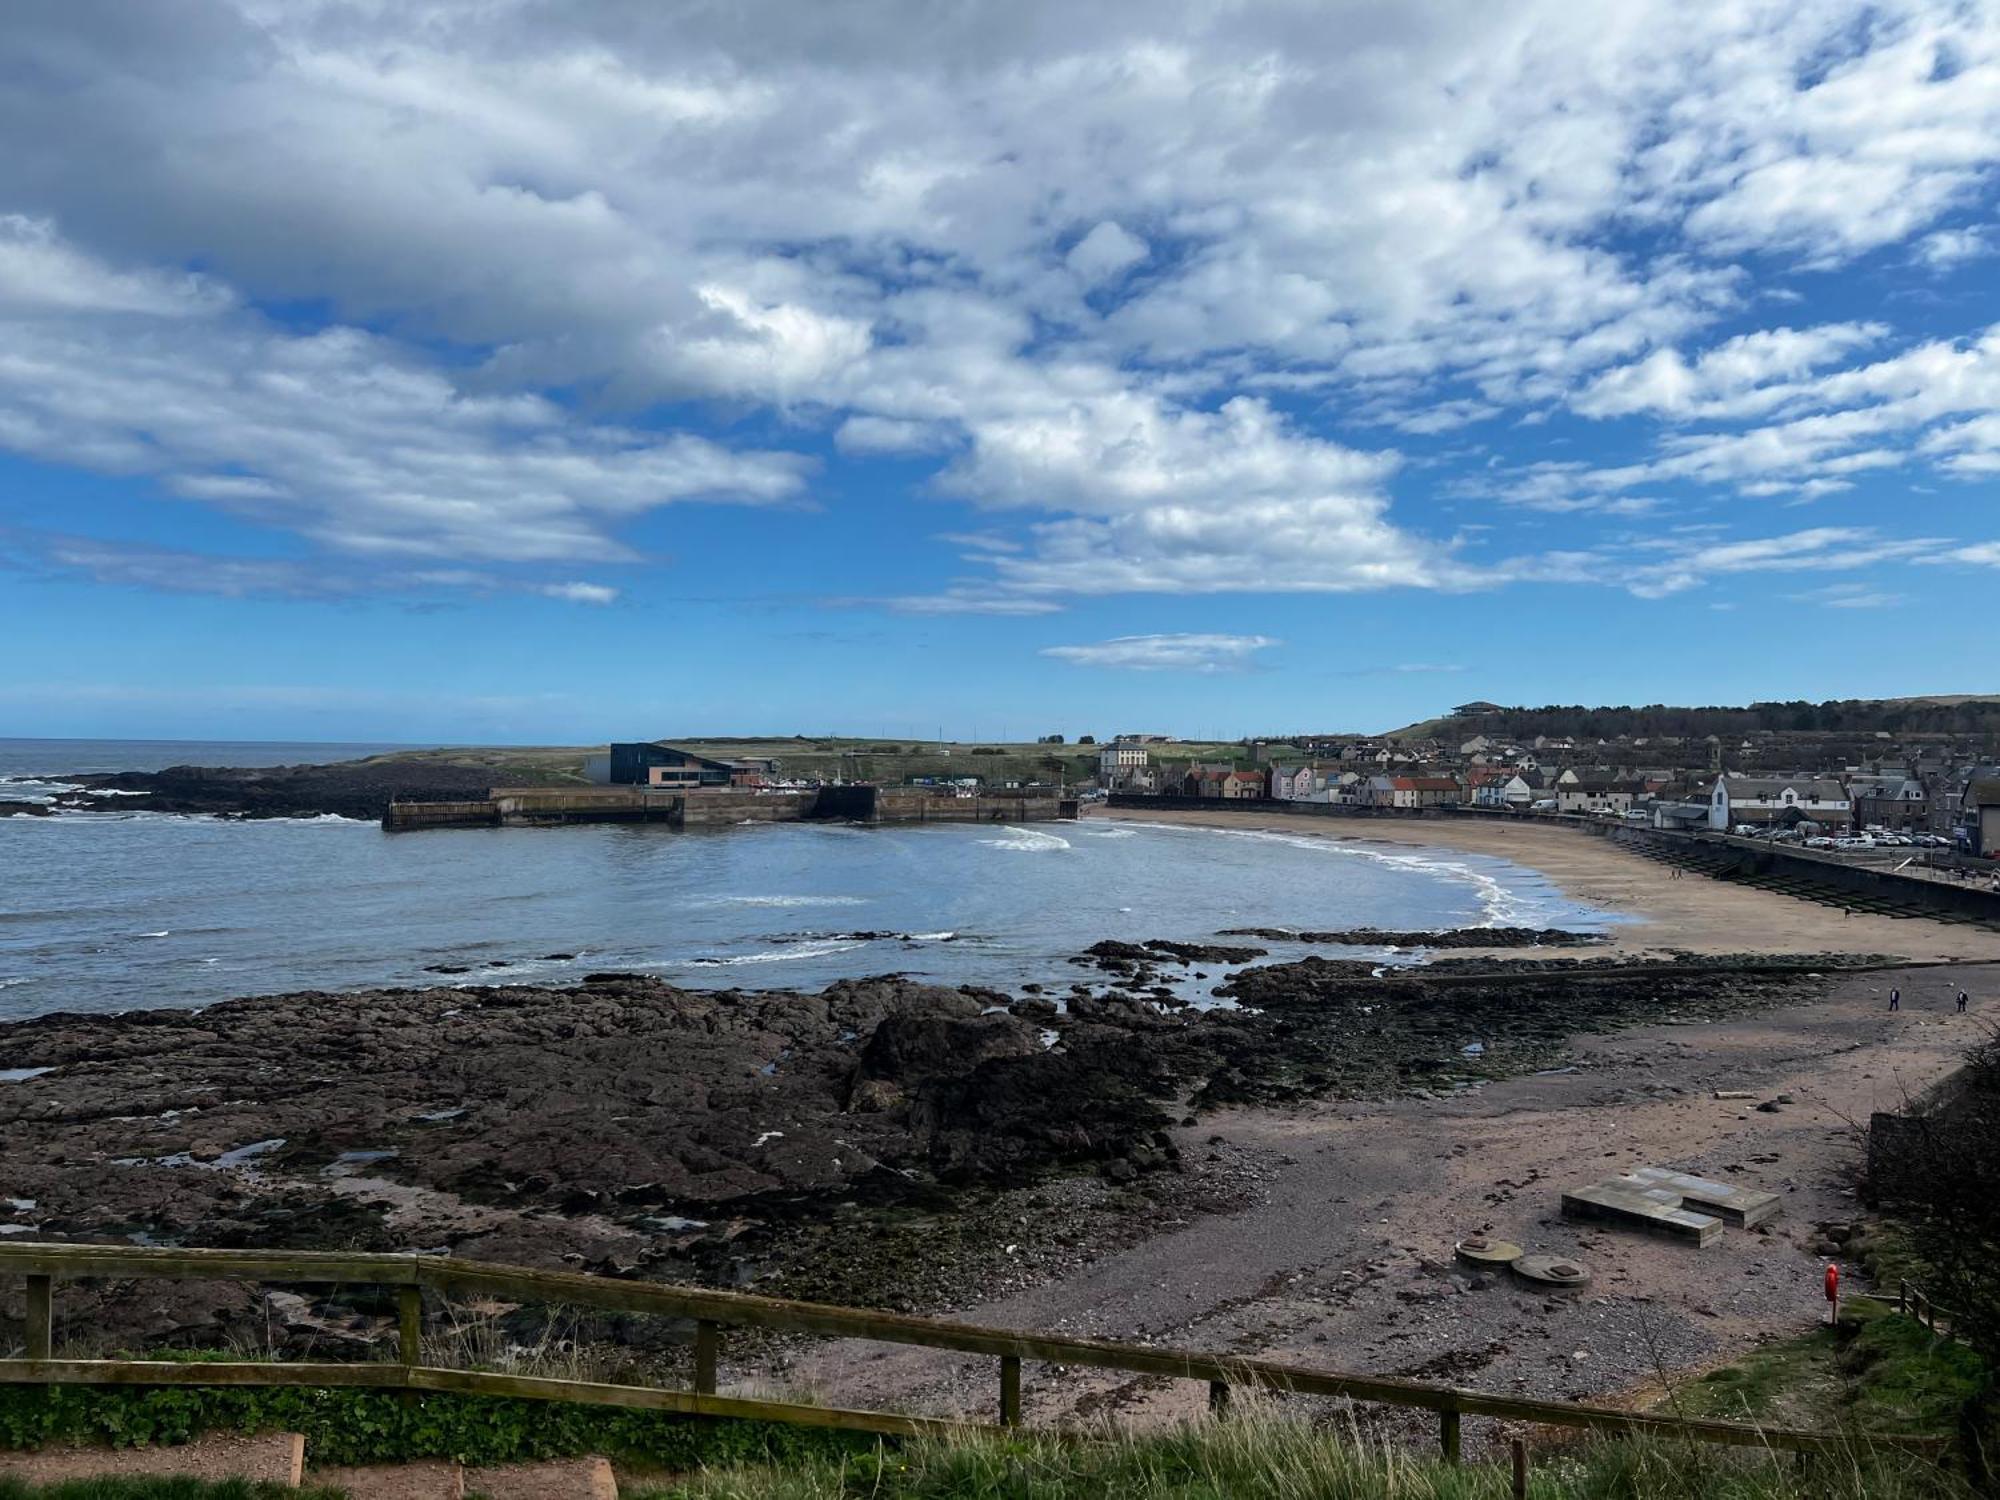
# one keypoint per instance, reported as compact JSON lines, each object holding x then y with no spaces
{"x":525,"y":807}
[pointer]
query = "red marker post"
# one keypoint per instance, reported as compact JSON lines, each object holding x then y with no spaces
{"x":1833,"y":1294}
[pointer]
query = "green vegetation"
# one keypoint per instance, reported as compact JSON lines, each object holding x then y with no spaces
{"x":1270,"y":1458}
{"x":160,"y":1489}
{"x":362,"y":1426}
{"x":1878,"y":1372}
{"x":1938,"y":715}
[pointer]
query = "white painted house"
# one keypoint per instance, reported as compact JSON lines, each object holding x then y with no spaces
{"x":1765,"y":799}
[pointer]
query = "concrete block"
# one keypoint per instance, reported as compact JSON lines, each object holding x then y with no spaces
{"x":1745,"y":1208}
{"x":1634,"y":1206}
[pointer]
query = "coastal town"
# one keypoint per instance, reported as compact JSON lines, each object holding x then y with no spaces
{"x":1935,"y":791}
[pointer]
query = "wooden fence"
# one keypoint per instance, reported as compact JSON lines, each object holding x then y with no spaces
{"x":45,"y":1265}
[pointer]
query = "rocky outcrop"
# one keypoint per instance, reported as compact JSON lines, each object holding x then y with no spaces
{"x":1457,"y":937}
{"x":348,"y":789}
{"x":624,"y":1125}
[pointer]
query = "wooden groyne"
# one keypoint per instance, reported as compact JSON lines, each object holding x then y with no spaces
{"x":528,"y":807}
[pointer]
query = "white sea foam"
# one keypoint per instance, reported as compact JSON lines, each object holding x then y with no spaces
{"x":1029,"y":840}
{"x":1501,"y":905}
{"x":784,"y":901}
{"x":770,"y":956}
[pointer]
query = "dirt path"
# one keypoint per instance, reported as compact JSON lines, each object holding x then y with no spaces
{"x":1345,"y":1260}
{"x":1696,"y":913}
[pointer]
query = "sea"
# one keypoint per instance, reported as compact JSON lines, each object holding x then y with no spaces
{"x":114,"y":911}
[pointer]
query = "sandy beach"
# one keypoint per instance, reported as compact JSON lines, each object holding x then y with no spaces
{"x":1344,"y":1259}
{"x":1695,"y":914}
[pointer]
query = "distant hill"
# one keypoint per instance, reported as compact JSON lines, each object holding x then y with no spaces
{"x":1934,"y":714}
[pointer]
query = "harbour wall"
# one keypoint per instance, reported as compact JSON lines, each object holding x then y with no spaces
{"x":523,"y":807}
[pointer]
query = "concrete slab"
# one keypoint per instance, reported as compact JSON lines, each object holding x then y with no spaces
{"x":1633,"y":1205}
{"x":1745,"y":1208}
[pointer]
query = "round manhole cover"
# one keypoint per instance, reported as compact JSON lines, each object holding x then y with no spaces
{"x":1552,"y":1270}
{"x":1478,"y":1250}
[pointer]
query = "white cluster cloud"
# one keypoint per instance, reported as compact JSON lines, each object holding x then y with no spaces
{"x":1189,"y":652}
{"x":1763,"y":415}
{"x":1114,"y":274}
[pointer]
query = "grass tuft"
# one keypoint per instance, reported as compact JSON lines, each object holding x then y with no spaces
{"x":1271,"y":1458}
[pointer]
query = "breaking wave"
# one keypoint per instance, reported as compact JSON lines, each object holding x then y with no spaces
{"x":1029,"y":840}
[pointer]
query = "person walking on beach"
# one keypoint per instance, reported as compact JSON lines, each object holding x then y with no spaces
{"x":1961,"y":1002}
{"x":1895,"y":999}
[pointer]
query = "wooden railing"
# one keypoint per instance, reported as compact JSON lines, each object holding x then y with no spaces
{"x":44,"y":1265}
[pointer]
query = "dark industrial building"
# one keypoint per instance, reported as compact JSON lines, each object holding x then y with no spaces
{"x":650,"y":763}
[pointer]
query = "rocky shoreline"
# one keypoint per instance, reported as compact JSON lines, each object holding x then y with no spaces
{"x":346,"y":789}
{"x":879,"y":1142}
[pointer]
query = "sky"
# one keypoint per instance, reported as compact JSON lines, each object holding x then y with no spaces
{"x":522,"y":371}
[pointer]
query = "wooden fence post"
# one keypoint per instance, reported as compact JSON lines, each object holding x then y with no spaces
{"x":1520,"y":1447}
{"x":410,"y":1324}
{"x":1010,"y":1390}
{"x":707,"y":1345}
{"x":1449,"y":1438}
{"x":41,"y":1317}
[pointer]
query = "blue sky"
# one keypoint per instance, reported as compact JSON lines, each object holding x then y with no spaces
{"x":552,"y":373}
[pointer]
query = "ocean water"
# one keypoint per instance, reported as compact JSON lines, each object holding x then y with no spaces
{"x":116,"y":911}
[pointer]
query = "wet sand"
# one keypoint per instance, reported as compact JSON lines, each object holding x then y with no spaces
{"x":1696,"y":914}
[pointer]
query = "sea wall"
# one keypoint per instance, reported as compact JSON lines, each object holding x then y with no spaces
{"x":533,"y":806}
{"x":722,"y":809}
{"x":1829,"y":871}
{"x":442,"y":815}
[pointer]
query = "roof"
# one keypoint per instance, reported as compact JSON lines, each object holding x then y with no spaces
{"x":1424,"y":784}
{"x":1985,"y":793}
{"x":1765,"y":788}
